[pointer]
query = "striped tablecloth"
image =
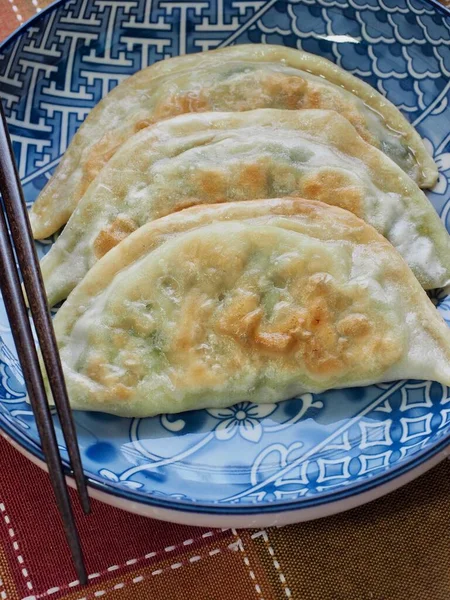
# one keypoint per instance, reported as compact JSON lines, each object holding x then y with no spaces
{"x":397,"y":548}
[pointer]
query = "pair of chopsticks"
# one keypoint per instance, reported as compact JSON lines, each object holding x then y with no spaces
{"x":13,"y":213}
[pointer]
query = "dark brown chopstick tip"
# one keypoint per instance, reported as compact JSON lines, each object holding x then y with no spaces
{"x":81,"y":573}
{"x":85,"y":504}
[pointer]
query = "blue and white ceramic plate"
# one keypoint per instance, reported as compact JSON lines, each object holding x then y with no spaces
{"x":245,"y":465}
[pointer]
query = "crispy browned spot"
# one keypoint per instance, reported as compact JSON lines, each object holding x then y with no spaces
{"x":195,"y":368}
{"x":333,"y":188}
{"x":242,"y":181}
{"x":191,"y":328}
{"x":324,"y":327}
{"x":241,"y":316}
{"x":354,"y":325}
{"x":101,"y":372}
{"x":211,"y":183}
{"x":114,"y":233}
{"x":242,"y":319}
{"x":314,"y":331}
{"x":181,"y":103}
{"x":313,"y":99}
{"x":143,"y":123}
{"x":287,"y":90}
{"x":253,"y":180}
{"x":99,"y":155}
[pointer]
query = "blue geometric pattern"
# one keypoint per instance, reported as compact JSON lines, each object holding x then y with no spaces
{"x":58,"y":68}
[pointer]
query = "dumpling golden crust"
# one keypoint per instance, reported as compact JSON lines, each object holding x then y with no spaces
{"x":222,"y":157}
{"x":255,"y":301}
{"x":232,"y":79}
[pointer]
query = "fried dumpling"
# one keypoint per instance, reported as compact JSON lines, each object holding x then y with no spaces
{"x":257,"y":301}
{"x":219,"y":157}
{"x":233,"y":79}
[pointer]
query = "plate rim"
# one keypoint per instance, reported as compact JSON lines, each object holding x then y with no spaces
{"x":258,"y":520}
{"x":422,"y":458}
{"x":353,"y":491}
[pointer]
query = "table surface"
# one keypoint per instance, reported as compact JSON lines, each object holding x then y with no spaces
{"x":397,"y":548}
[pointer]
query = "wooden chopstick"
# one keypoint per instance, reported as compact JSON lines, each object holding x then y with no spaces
{"x":15,"y":208}
{"x":32,"y":277}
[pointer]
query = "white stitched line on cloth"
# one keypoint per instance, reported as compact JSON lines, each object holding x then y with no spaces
{"x":3,"y":594}
{"x":16,"y":11}
{"x":131,"y":561}
{"x":122,"y":584}
{"x":240,"y":545}
{"x":263,"y":533}
{"x":19,"y":557}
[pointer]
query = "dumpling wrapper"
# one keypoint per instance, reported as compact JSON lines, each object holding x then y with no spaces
{"x":258,"y":301}
{"x":219,"y":157}
{"x":232,"y":79}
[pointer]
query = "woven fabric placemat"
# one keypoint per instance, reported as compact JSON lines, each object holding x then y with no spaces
{"x":396,"y":548}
